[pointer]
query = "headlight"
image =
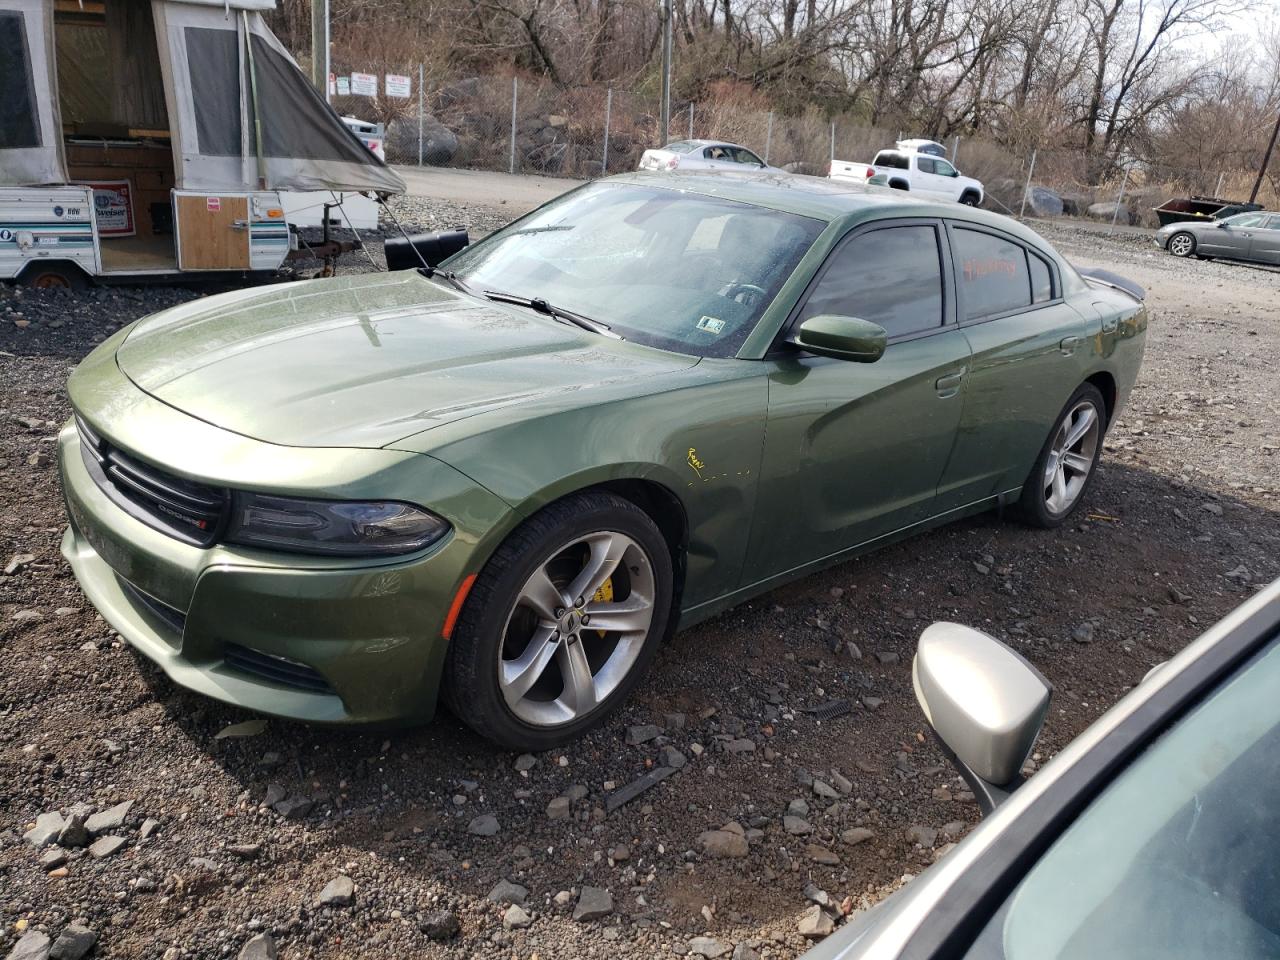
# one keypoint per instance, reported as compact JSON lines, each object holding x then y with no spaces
{"x":332,"y":527}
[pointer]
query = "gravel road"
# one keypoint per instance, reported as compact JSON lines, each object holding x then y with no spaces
{"x":147,"y":831}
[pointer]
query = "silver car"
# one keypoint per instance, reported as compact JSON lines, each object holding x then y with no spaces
{"x":1152,"y":835}
{"x":702,"y":155}
{"x":1244,"y":236}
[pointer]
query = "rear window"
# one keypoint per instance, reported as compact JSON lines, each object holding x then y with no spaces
{"x":888,"y":158}
{"x":19,"y":126}
{"x":992,"y":273}
{"x":681,"y":146}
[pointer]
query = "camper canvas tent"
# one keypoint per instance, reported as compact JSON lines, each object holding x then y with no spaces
{"x":187,"y":102}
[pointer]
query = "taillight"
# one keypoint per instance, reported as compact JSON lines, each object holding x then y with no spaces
{"x":870,"y":172}
{"x":673,"y":163}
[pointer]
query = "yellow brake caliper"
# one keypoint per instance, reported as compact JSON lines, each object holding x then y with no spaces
{"x":604,"y":595}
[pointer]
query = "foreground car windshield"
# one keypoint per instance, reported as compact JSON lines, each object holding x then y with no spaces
{"x":674,"y":270}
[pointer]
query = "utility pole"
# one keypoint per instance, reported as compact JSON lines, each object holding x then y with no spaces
{"x":664,"y":122}
{"x":320,"y":46}
{"x":1266,"y":159}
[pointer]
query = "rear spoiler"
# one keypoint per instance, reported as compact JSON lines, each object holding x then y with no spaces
{"x":1114,"y":280}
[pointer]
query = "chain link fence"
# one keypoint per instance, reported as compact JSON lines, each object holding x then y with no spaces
{"x":523,"y":126}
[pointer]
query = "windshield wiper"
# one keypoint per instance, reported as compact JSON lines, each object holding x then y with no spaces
{"x":541,"y":305}
{"x":448,"y":276}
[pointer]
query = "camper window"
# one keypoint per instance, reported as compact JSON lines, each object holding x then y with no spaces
{"x":214,"y":67}
{"x":19,"y":126}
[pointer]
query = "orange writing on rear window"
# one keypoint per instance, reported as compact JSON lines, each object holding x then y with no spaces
{"x":977,"y":269}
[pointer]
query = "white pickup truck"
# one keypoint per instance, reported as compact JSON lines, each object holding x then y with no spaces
{"x":910,"y":169}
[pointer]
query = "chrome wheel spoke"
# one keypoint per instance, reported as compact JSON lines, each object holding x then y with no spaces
{"x":519,"y":675}
{"x":579,"y":694}
{"x":633,"y":615}
{"x":541,"y":596}
{"x":1080,"y":426}
{"x":1059,"y":498}
{"x":606,"y":553}
{"x":1078,"y":462}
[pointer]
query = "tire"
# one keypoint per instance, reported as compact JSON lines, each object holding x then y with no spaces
{"x":532,"y":708}
{"x":970,"y":200}
{"x":1045,"y":504}
{"x":54,"y":275}
{"x":899,"y":185}
{"x":1182,"y":244}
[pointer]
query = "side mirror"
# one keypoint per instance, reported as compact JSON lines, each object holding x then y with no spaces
{"x":1223,"y":225}
{"x":845,"y":338}
{"x":984,"y":702}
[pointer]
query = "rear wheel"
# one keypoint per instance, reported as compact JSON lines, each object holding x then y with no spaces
{"x":54,"y":276}
{"x":1067,"y":461}
{"x":970,"y":200}
{"x":1182,"y":244}
{"x":561,"y":623}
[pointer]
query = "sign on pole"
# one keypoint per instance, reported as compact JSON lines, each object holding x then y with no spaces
{"x":333,"y":84}
{"x":398,"y":86}
{"x":344,"y":86}
{"x":364,"y":84}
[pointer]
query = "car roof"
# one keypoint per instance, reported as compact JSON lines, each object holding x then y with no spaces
{"x":818,"y":197}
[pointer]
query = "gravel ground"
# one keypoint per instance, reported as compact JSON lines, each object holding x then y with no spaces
{"x":341,"y":844}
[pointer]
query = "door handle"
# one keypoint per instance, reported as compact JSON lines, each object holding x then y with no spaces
{"x":240,"y":225}
{"x":1068,"y":344}
{"x":949,"y":385}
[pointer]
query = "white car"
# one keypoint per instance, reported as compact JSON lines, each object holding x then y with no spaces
{"x":702,"y":155}
{"x":918,"y":172}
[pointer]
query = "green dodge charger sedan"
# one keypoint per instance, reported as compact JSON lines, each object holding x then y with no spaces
{"x":506,"y":479}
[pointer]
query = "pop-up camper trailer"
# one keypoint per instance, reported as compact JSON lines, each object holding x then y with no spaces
{"x":152,"y":137}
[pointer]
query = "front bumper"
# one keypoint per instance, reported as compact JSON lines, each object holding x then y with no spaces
{"x":307,"y":638}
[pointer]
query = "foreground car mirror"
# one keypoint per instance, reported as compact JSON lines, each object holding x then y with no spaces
{"x":845,"y":338}
{"x":984,"y":702}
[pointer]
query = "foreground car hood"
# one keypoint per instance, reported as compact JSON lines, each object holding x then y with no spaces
{"x":364,"y":361}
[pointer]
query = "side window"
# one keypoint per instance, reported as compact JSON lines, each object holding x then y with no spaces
{"x":1245,"y":220}
{"x":19,"y":123}
{"x":991,"y":274}
{"x":746,"y":156}
{"x":891,"y":276}
{"x":1041,"y":278}
{"x":943,"y":169}
{"x":926,"y":165}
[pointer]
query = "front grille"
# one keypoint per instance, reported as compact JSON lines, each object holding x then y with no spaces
{"x":186,"y":510}
{"x":288,"y":673}
{"x":174,"y":619}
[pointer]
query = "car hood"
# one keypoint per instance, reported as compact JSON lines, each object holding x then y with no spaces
{"x":365,"y":361}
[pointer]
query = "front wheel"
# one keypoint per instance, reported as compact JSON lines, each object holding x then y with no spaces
{"x":970,"y":200}
{"x":1067,"y":461}
{"x":561,"y":624}
{"x":1182,"y":244}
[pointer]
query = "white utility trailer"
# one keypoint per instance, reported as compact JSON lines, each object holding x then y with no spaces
{"x":144,"y":138}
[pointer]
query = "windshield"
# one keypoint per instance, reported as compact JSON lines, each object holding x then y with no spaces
{"x":662,"y":267}
{"x":1178,"y":858}
{"x":681,"y":146}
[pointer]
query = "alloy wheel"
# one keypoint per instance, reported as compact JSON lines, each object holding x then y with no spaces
{"x":1181,"y":244}
{"x":1071,"y":457}
{"x":576,"y":628}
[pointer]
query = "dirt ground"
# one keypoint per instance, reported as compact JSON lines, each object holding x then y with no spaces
{"x":1180,"y":526}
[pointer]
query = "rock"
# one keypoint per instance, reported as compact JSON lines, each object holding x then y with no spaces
{"x":53,"y":859}
{"x":105,"y":846}
{"x":34,"y":945}
{"x":110,"y":819}
{"x":338,"y":892}
{"x":642,"y":733}
{"x":796,"y":826}
{"x":485,"y":825}
{"x":872,"y":703}
{"x":245,"y":728}
{"x":562,"y":898}
{"x":293,"y":808}
{"x":798,"y":807}
{"x":673,"y":758}
{"x":723,"y":843}
{"x":854,"y":651}
{"x":1211,"y":507}
{"x":815,"y":924}
{"x":516,"y":918}
{"x":245,"y":851}
{"x":887,"y":657}
{"x":205,"y":864}
{"x":504,"y":891}
{"x":74,"y":942}
{"x":620,"y":854}
{"x":673,"y":722}
{"x":919,"y":833}
{"x":148,"y":828}
{"x":593,"y":903}
{"x":441,"y":925}
{"x":73,"y":832}
{"x":1240,"y":573}
{"x":841,"y":782}
{"x":1109,"y":209}
{"x":525,"y":762}
{"x":820,"y":854}
{"x":708,"y":947}
{"x":261,"y":947}
{"x":17,"y":562}
{"x":275,"y":793}
{"x":1083,"y":633}
{"x":856,"y":835}
{"x":558,"y":809}
{"x":825,"y":790}
{"x":1043,"y":202}
{"x":739,"y":746}
{"x":46,"y":830}
{"x":744,"y":952}
{"x":817,"y":895}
